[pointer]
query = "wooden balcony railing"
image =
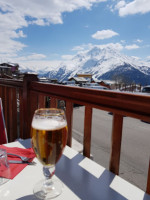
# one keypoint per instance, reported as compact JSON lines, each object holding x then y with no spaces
{"x":21,"y":98}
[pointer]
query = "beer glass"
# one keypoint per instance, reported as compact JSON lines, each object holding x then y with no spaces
{"x":49,"y":137}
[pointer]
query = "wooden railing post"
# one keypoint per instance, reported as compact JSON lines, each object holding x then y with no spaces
{"x":41,"y":101}
{"x":28,"y":78}
{"x":116,"y":143}
{"x":53,"y":102}
{"x":87,"y":131}
{"x":69,"y":116}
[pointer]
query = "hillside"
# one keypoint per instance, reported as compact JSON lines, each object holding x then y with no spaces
{"x":103,"y":63}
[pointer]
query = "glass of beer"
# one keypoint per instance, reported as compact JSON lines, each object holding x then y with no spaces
{"x":49,"y":138}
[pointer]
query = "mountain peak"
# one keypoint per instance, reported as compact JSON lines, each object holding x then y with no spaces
{"x":101,"y":61}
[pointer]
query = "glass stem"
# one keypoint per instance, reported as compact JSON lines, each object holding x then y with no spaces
{"x":48,"y":183}
{"x":48,"y":171}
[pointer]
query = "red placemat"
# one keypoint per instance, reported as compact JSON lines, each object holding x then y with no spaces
{"x":15,"y":169}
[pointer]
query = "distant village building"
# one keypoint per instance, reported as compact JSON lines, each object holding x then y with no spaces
{"x":108,"y":83}
{"x":8,"y":70}
{"x":78,"y":80}
{"x":88,"y":77}
{"x":44,"y":79}
{"x":53,"y":80}
{"x":47,"y":80}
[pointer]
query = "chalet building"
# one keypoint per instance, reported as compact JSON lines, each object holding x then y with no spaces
{"x":44,"y":79}
{"x":108,"y":83}
{"x":83,"y":79}
{"x":8,"y":70}
{"x":78,"y":80}
{"x":88,"y":77}
{"x":54,"y":81}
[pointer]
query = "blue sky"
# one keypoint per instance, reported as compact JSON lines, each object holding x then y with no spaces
{"x":44,"y":33}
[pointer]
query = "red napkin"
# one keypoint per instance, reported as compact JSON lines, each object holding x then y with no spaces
{"x":15,"y":169}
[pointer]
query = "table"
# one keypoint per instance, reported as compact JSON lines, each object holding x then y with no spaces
{"x":82,"y":179}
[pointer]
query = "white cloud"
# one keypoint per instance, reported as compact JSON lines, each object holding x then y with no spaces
{"x":119,"y":5}
{"x":130,"y":47}
{"x":9,"y":23}
{"x":104,"y":34}
{"x":136,"y":57}
{"x":116,"y":46}
{"x":10,"y":57}
{"x":14,"y":34}
{"x":123,"y":41}
{"x":148,"y":58}
{"x":38,"y":64}
{"x":78,"y":48}
{"x":16,"y":14}
{"x":9,"y":46}
{"x":87,"y":47}
{"x":67,"y":57}
{"x":133,"y":7}
{"x":82,"y":47}
{"x":33,"y":56}
{"x":138,"y":40}
{"x":34,"y":64}
{"x":48,"y":12}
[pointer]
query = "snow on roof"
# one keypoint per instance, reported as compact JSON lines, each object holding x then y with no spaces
{"x":79,"y":79}
{"x":105,"y":81}
{"x":109,"y":81}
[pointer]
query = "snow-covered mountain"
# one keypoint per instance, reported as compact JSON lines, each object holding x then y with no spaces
{"x":103,"y":63}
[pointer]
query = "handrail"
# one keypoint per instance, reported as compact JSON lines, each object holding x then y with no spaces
{"x":128,"y":104}
{"x":11,"y":82}
{"x":31,"y":95}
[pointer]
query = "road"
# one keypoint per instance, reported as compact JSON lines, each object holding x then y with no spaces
{"x":135,"y":149}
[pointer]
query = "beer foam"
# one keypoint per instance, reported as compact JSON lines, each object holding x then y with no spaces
{"x":48,"y":124}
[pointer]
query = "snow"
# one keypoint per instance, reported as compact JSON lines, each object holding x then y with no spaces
{"x":96,"y":61}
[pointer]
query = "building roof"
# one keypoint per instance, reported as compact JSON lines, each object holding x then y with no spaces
{"x":79,"y":79}
{"x":85,"y":75}
{"x":9,"y":64}
{"x":109,"y":82}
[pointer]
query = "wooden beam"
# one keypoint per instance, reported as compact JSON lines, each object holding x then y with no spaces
{"x":28,"y":78}
{"x":41,"y":101}
{"x":53,"y":102}
{"x":116,"y":143}
{"x":69,"y":116}
{"x":21,"y":116}
{"x":87,"y":131}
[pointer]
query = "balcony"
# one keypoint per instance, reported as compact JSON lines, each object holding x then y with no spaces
{"x":21,"y":98}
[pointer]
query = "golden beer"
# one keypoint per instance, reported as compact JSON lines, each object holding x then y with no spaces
{"x":49,"y":140}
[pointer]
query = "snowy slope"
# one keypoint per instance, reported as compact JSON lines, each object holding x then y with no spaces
{"x":102,"y":63}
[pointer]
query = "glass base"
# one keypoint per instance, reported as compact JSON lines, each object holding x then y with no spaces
{"x":48,"y":189}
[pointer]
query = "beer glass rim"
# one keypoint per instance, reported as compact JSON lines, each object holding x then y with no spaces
{"x":50,"y":112}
